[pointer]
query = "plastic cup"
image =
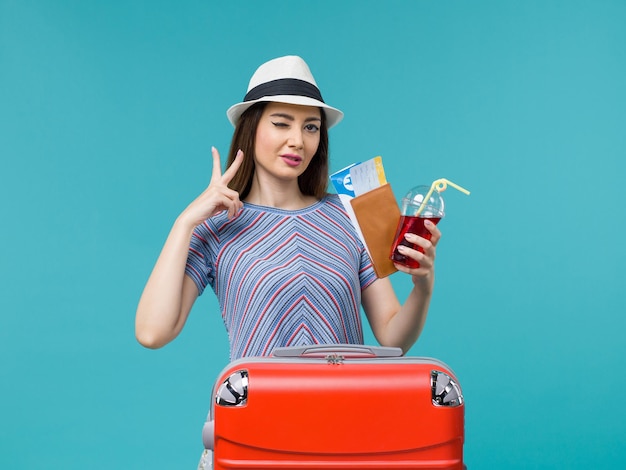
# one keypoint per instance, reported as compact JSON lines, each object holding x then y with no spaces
{"x":414,"y":212}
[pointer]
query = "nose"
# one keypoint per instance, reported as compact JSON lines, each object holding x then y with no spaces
{"x":296,"y":139}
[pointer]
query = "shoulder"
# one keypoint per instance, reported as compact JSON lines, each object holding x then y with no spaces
{"x":333,"y":210}
{"x":218,"y":228}
{"x":332,"y":203}
{"x":330,"y":208}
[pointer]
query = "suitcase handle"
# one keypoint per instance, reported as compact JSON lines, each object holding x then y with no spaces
{"x":344,"y":350}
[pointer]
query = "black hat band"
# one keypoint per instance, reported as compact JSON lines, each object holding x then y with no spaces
{"x":284,"y":86}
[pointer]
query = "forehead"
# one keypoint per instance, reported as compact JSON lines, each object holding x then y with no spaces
{"x":295,"y":110}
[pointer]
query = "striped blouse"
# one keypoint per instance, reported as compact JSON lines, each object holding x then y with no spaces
{"x":283,"y":278}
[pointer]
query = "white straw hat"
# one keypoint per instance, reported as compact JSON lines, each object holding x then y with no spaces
{"x":284,"y":80}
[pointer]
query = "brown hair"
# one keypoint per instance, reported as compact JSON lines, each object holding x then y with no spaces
{"x":313,"y":182}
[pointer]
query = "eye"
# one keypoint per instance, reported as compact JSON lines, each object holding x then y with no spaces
{"x":280,"y":124}
{"x":312,"y":128}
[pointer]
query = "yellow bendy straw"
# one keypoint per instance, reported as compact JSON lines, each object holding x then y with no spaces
{"x":440,"y":185}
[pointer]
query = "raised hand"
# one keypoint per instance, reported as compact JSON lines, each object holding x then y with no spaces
{"x":217,"y":197}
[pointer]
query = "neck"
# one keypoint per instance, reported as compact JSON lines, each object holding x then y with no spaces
{"x":279,"y":196}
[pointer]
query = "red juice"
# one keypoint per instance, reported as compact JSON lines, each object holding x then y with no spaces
{"x":415,"y":225}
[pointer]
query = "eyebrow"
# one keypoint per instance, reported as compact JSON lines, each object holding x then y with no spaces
{"x":291,"y":118}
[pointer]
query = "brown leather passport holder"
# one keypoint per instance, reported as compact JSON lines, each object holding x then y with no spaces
{"x":378,"y":215}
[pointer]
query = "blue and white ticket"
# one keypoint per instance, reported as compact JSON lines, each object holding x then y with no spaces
{"x":342,"y":182}
{"x":367,"y":176}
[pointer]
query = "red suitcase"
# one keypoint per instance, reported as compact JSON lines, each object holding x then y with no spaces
{"x":336,"y":407}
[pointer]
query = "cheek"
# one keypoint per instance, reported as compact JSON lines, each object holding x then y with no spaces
{"x":262,"y":142}
{"x":312,"y":143}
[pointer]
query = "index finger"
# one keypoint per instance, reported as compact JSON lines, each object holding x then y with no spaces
{"x":217,"y":166}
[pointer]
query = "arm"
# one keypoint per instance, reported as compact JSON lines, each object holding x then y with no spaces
{"x":399,"y":325}
{"x":169,"y":294}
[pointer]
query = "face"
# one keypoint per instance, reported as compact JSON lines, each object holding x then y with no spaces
{"x":287,"y":138}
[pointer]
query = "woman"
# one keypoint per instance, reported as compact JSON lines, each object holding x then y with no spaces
{"x":280,"y":253}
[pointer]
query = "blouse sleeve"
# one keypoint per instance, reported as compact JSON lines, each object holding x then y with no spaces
{"x":200,"y":266}
{"x":367,"y":275}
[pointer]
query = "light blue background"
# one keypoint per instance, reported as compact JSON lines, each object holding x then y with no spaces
{"x":107,"y":114}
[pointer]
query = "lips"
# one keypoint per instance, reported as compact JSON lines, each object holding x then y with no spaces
{"x":291,"y":160}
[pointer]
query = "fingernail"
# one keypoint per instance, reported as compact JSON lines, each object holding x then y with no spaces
{"x":429,"y":223}
{"x":239,"y":152}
